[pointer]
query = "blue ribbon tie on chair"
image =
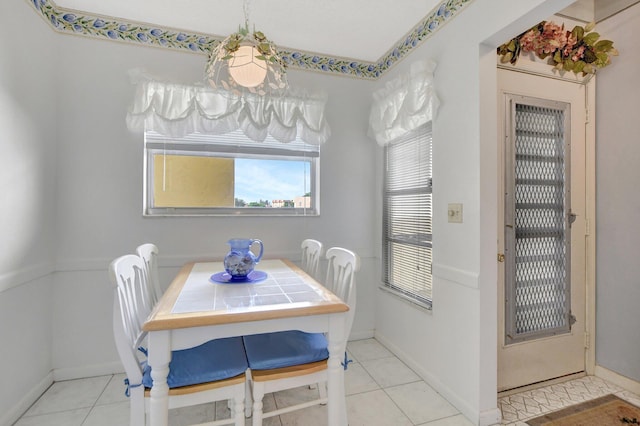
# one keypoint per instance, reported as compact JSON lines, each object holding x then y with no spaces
{"x":129,"y":386}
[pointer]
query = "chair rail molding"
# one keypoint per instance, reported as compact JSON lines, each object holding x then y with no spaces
{"x":175,"y":261}
{"x":456,"y":275}
{"x":25,"y":275}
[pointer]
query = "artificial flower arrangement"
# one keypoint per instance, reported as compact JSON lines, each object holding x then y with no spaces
{"x":266,"y":48}
{"x":578,"y":50}
{"x":222,"y":58}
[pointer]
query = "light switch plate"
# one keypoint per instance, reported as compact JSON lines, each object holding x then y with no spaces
{"x":454,"y":213}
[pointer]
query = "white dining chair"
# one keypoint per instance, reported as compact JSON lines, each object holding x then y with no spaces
{"x":213,"y":371}
{"x":289,"y":359}
{"x":149,"y":254}
{"x":311,"y":254}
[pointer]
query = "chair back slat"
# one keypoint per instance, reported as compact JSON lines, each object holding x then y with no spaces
{"x":149,"y":254}
{"x":311,"y":253}
{"x":341,"y":279}
{"x":130,"y":311}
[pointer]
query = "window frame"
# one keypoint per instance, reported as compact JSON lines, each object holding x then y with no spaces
{"x":239,"y":146}
{"x":402,"y":291}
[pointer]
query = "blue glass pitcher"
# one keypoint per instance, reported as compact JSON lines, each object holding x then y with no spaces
{"x":240,"y":260}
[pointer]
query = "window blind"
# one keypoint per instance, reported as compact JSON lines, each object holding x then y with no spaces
{"x":407,"y":204}
{"x":231,"y":142}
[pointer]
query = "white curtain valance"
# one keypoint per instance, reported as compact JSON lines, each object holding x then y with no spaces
{"x":403,"y":104}
{"x":177,"y":110}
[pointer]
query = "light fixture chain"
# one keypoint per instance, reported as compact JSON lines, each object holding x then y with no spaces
{"x":247,"y":61}
{"x":245,"y":6}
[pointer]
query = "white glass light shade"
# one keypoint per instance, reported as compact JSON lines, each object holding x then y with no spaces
{"x":247,"y":62}
{"x":245,"y":68}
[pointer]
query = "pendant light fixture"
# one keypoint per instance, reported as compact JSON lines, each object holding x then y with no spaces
{"x":246,"y":61}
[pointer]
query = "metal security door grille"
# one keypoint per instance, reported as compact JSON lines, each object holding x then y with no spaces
{"x":537,"y":282}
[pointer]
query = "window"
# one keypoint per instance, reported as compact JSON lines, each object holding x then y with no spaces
{"x":229,"y":174}
{"x":407,"y":216}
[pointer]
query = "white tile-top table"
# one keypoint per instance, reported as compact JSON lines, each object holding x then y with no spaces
{"x":195,"y":309}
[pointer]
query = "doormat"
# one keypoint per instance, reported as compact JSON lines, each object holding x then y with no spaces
{"x":608,"y":410}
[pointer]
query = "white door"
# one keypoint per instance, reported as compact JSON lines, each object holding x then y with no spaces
{"x":542,"y":229}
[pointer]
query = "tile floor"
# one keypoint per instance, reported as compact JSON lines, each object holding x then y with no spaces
{"x":381,"y":391}
{"x":520,"y":407}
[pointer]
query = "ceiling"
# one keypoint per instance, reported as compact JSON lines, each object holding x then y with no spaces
{"x":359,"y":29}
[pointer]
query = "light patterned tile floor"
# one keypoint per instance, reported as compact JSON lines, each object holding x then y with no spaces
{"x":520,"y":407}
{"x":380,"y":389}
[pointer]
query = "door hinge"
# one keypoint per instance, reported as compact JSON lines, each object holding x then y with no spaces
{"x":587,"y":340}
{"x":500,"y":257}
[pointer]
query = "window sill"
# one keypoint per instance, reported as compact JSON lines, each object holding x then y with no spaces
{"x":407,"y":299}
{"x":275,"y":212}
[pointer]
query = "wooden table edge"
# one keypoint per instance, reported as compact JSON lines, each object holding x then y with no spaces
{"x":161,"y":317}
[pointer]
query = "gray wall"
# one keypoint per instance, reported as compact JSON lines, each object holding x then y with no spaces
{"x":27,"y":214}
{"x":618,"y":203}
{"x":454,"y":346}
{"x":99,"y":193}
{"x":72,"y":198}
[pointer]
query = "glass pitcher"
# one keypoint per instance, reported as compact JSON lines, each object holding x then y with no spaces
{"x":240,"y":260}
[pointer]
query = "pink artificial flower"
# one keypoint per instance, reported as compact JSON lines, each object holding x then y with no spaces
{"x":579,"y":54}
{"x":528,"y":41}
{"x":554,"y":37}
{"x":571,"y":42}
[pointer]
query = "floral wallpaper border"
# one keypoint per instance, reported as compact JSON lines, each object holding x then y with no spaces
{"x":67,"y":21}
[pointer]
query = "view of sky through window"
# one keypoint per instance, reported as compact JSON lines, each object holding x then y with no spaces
{"x":271,"y":179}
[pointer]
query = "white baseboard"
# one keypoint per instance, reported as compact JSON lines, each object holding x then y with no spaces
{"x":15,"y":412}
{"x":618,"y":379}
{"x":72,"y":373}
{"x":461,"y":405}
{"x":361,"y":335}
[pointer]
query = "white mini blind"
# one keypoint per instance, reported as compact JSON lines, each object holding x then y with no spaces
{"x":407,"y":216}
{"x":231,"y":142}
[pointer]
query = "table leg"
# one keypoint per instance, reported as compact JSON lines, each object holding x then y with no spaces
{"x":337,"y":410}
{"x":159,"y":358}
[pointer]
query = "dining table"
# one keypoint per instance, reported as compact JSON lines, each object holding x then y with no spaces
{"x":200,"y":305}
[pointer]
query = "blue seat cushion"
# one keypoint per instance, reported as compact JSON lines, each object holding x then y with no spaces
{"x":284,"y":349}
{"x":215,"y":360}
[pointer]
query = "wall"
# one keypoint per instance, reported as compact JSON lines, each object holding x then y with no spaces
{"x":99,"y":214}
{"x":27,"y":213}
{"x":606,"y":8}
{"x":67,"y":146}
{"x":618,"y":231}
{"x":454,"y":346}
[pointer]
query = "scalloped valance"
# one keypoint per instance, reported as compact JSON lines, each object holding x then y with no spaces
{"x":403,"y":104}
{"x":177,"y":110}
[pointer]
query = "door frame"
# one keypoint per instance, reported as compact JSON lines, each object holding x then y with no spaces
{"x":542,"y":69}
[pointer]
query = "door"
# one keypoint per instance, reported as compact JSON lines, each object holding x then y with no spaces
{"x":541,"y":238}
